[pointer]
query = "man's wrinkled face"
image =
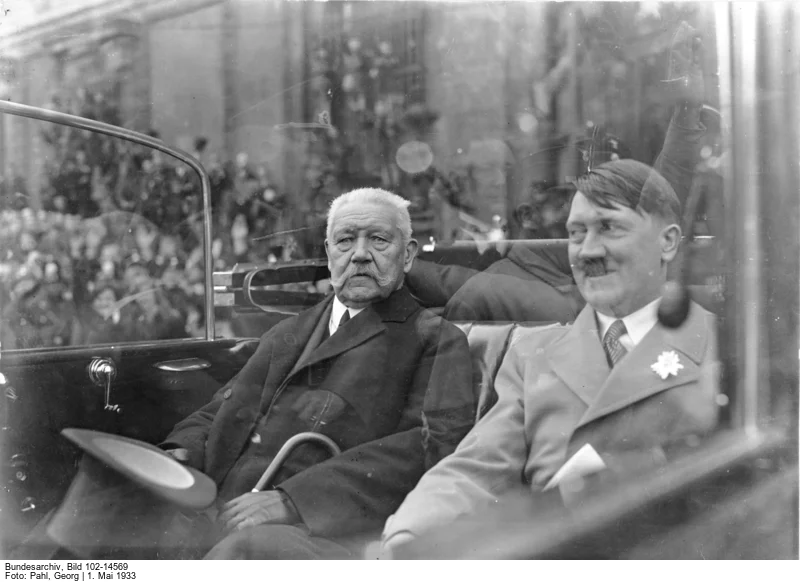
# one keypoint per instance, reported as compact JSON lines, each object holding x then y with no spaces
{"x":367,"y":256}
{"x":618,"y":255}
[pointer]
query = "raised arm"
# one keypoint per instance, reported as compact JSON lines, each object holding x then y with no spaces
{"x":685,"y":86}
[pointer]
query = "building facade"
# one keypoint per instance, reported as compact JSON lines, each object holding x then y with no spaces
{"x":502,"y":87}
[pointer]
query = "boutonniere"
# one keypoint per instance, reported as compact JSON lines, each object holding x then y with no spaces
{"x":667,"y":365}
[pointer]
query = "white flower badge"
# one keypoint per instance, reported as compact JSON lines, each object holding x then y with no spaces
{"x":667,"y":365}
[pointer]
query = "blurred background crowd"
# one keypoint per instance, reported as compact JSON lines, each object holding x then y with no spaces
{"x":115,"y":251}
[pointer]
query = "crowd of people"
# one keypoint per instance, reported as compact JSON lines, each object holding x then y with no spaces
{"x":117,"y":256}
{"x":114,"y":252}
{"x":71,"y":281}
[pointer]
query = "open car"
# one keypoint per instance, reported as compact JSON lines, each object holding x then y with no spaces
{"x":121,"y":317}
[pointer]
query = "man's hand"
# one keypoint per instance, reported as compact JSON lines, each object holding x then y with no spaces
{"x":685,"y":81}
{"x":252,"y":509}
{"x":180,"y":455}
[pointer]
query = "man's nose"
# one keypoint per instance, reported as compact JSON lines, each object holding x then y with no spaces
{"x":592,"y":247}
{"x":361,"y":252}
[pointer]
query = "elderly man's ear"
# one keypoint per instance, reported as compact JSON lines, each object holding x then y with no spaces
{"x":411,"y":253}
{"x":670,"y":239}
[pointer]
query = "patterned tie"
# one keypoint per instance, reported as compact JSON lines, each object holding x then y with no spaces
{"x":611,"y":344}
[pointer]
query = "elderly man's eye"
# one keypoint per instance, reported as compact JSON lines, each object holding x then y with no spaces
{"x":344,"y":243}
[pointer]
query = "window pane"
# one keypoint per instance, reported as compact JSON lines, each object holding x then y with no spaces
{"x":101,"y":238}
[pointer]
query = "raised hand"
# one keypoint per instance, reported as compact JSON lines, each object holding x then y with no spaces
{"x":685,"y":81}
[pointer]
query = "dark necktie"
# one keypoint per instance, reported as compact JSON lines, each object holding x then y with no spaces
{"x":345,"y":318}
{"x":611,"y":344}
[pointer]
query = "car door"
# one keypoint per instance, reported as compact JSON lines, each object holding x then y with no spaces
{"x":107,"y":321}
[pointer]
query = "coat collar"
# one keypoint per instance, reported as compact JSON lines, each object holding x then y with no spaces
{"x":579,"y":360}
{"x":633,"y":379}
{"x":577,"y":357}
{"x":289,"y":340}
{"x":398,"y":307}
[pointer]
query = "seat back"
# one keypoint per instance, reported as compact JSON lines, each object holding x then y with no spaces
{"x":488,"y":342}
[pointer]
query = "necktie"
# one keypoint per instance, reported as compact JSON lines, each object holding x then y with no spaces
{"x":345,"y":318}
{"x":611,"y":344}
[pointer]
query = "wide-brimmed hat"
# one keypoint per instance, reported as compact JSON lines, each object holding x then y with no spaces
{"x":124,"y":496}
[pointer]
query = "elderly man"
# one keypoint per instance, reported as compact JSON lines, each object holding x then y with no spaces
{"x":611,"y":394}
{"x":387,"y":381}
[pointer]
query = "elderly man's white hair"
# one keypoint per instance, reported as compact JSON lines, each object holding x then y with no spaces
{"x":373,"y":196}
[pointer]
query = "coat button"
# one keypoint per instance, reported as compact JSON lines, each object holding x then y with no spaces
{"x":227,"y":393}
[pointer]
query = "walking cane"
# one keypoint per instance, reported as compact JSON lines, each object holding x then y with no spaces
{"x":288,"y":447}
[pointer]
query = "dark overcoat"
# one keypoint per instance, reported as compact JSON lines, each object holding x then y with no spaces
{"x":395,"y":384}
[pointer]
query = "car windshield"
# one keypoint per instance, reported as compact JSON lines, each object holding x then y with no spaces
{"x":102,"y":239}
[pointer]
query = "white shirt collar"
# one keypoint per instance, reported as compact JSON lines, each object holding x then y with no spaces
{"x":637,"y":324}
{"x":337,"y":312}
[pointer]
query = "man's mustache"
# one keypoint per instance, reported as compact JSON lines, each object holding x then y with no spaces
{"x":354,"y":270}
{"x":592,"y":267}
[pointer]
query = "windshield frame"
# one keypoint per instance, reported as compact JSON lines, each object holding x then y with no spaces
{"x":47,"y":115}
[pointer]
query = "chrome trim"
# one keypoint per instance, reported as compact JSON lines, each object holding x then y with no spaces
{"x":247,"y":288}
{"x":101,"y":371}
{"x":185,"y":365}
{"x":247,"y":285}
{"x":737,"y":39}
{"x":145,"y":140}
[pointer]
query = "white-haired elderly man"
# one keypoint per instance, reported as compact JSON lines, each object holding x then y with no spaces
{"x":386,"y":380}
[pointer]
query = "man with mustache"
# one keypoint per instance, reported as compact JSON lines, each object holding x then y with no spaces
{"x":389,"y":382}
{"x":613,"y":394}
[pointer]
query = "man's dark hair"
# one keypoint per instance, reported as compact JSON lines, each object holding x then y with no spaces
{"x":631,"y":184}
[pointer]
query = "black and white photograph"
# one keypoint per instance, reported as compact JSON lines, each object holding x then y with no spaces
{"x":396,"y":280}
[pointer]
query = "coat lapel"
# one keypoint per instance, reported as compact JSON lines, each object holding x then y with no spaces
{"x":578,"y":358}
{"x":289,"y":346}
{"x":364,"y":326}
{"x":633,"y":379}
{"x":315,"y":339}
{"x":359,"y":329}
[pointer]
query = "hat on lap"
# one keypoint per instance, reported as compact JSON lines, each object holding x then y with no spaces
{"x":127,"y":499}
